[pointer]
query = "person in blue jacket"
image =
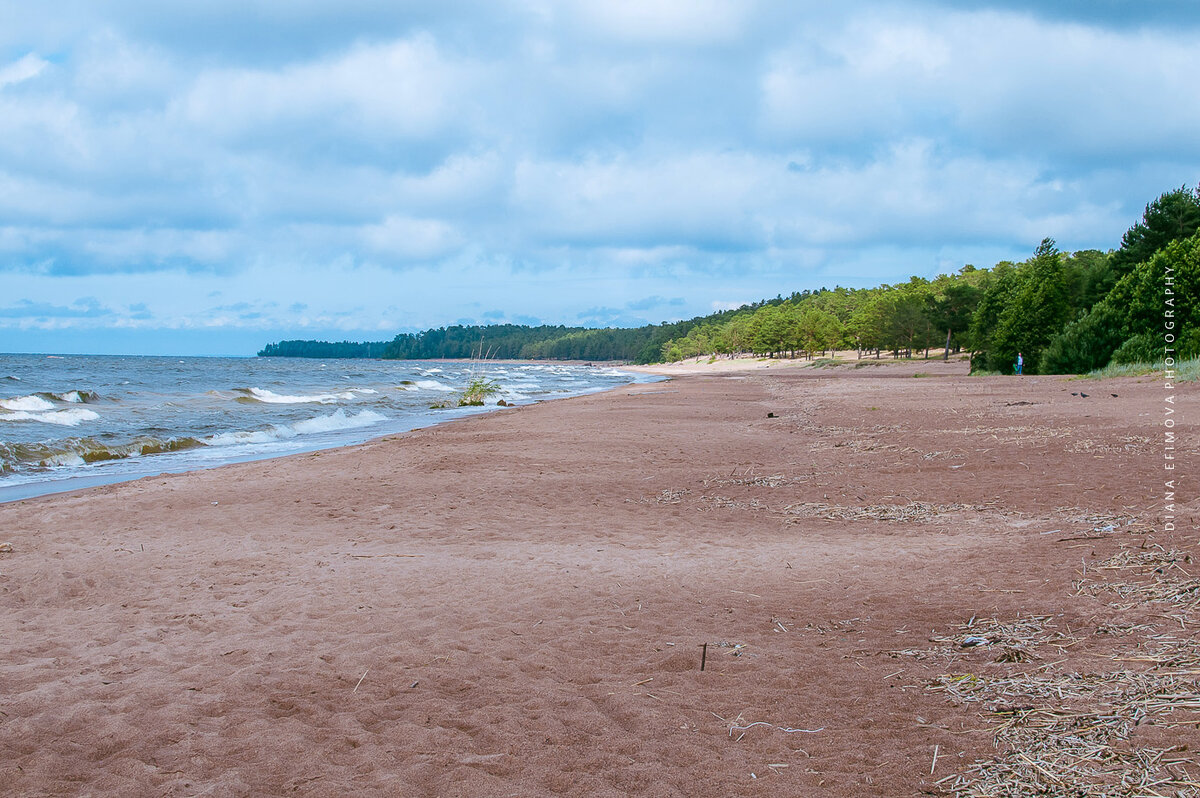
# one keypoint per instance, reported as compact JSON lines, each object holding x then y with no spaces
{"x":1020,"y":363}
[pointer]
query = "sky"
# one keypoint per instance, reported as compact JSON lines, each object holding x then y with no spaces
{"x":205,"y":177}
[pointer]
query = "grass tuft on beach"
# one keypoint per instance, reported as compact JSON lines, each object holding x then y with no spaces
{"x":1185,"y":370}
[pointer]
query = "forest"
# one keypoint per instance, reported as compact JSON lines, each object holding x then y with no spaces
{"x":1064,"y":312}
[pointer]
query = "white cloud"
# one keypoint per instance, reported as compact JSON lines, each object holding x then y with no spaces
{"x":547,"y":158}
{"x":688,"y":22}
{"x":21,"y":70}
{"x":397,"y":90}
{"x":998,"y":80}
{"x":407,"y":238}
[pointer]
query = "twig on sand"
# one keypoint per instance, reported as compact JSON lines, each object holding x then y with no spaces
{"x":733,"y":726}
{"x":360,"y":680}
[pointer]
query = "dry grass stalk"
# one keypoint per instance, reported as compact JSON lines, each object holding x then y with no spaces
{"x":919,"y":512}
{"x":1069,"y":734}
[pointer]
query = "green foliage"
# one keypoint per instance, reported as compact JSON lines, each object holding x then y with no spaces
{"x":1172,"y":217}
{"x":1159,"y":292}
{"x":477,"y":391}
{"x":1086,"y":343}
{"x":1141,"y":348}
{"x":1187,"y":346}
{"x":323,"y":349}
{"x":951,"y":303}
{"x":1036,"y":309}
{"x":506,"y":341}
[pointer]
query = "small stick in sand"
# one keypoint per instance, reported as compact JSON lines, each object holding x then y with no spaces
{"x":934,"y":765}
{"x":360,"y":680}
{"x":703,"y":655}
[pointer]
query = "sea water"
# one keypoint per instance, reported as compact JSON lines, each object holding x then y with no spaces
{"x":74,"y":421}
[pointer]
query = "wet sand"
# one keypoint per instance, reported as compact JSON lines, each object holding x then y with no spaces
{"x":520,"y":603}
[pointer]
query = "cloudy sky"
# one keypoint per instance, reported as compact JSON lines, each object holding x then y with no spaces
{"x":205,"y":176}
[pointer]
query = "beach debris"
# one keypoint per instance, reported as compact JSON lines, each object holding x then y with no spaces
{"x":6,"y":548}
{"x":736,"y":725}
{"x":1081,"y":733}
{"x":1073,"y":730}
{"x":754,"y":480}
{"x":1017,"y":640}
{"x":1155,"y":575}
{"x":668,"y":496}
{"x":919,"y":512}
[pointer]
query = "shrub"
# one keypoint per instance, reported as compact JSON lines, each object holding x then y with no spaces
{"x":1142,"y":348}
{"x":1187,"y":347}
{"x":477,"y":390}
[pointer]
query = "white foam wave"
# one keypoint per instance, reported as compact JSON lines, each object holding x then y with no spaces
{"x":32,"y":404}
{"x":333,"y":422}
{"x":338,"y":421}
{"x":74,"y":397}
{"x":272,"y":398}
{"x":432,"y":385}
{"x":62,"y":418}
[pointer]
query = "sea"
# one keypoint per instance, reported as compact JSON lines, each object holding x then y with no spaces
{"x":74,"y":421}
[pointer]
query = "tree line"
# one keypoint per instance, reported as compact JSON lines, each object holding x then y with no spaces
{"x":1065,"y":312}
{"x":503,"y":341}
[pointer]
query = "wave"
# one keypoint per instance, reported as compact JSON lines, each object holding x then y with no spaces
{"x":81,"y":451}
{"x":62,"y":418}
{"x":32,"y":404}
{"x":74,"y":397}
{"x":252,"y":395}
{"x":338,"y":421}
{"x":333,"y":422}
{"x":424,"y":385}
{"x":44,"y":400}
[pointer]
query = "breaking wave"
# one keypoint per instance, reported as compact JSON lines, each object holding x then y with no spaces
{"x":425,"y":385}
{"x":272,"y":398}
{"x":338,"y":420}
{"x":30,"y":404}
{"x":81,"y":451}
{"x":61,"y":418}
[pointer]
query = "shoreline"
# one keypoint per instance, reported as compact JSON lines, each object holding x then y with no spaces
{"x":520,"y":602}
{"x":136,"y":468}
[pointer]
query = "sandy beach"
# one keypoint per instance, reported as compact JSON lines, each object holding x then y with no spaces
{"x":520,"y":604}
